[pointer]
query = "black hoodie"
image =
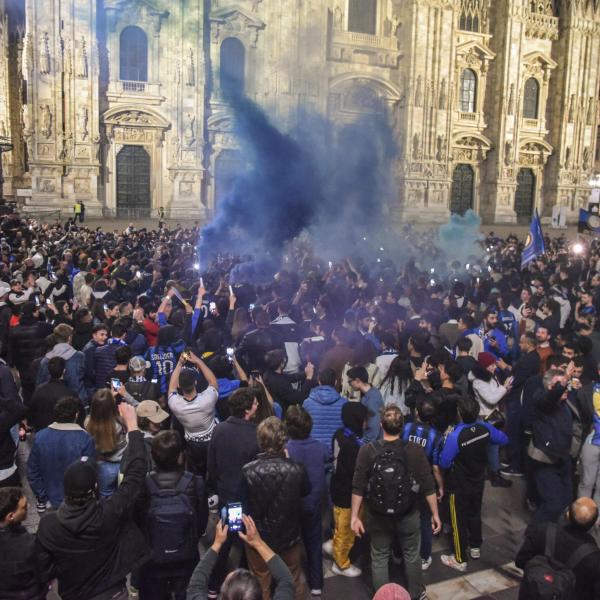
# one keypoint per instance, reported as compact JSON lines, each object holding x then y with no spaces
{"x":91,"y":548}
{"x":346,"y":444}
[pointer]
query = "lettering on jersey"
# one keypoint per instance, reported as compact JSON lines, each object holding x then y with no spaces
{"x":415,"y":439}
{"x":476,"y":439}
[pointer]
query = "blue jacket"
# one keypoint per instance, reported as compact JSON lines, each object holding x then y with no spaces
{"x":105,"y":360}
{"x":74,"y":370}
{"x":54,"y":449}
{"x":313,"y":455}
{"x":324,"y":405}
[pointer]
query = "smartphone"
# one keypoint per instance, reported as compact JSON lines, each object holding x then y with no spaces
{"x":37,"y":300}
{"x":230,"y":354}
{"x":201,"y":280}
{"x":234,"y":516}
{"x":212,"y":306}
{"x":231,"y":291}
{"x":186,"y":356}
{"x":251,"y":307}
{"x":48,"y":302}
{"x":116,"y":384}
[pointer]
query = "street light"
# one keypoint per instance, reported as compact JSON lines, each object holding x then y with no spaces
{"x":5,"y":146}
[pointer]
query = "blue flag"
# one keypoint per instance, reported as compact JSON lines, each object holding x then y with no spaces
{"x":534,"y":245}
{"x":588,"y":222}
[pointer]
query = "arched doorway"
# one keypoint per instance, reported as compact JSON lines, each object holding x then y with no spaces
{"x":133,"y":182}
{"x":463,"y":180}
{"x":228,"y":167}
{"x":525,"y":195}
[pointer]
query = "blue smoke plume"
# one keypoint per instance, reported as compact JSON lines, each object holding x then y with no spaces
{"x":460,"y":237}
{"x":332,"y":182}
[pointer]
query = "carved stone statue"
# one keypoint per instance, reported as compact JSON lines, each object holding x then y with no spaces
{"x":508,"y":153}
{"x":416,"y":147}
{"x":65,"y":153}
{"x":590,"y":110}
{"x":419,"y":91}
{"x":568,"y":157}
{"x":441,"y":148}
{"x":29,"y":54}
{"x":338,"y":18}
{"x":572,"y":109}
{"x":82,"y":60}
{"x":26,"y":119}
{"x":587,"y":155}
{"x":190,"y":131}
{"x":190,"y":71}
{"x":82,"y":122}
{"x":2,"y":129}
{"x":442,"y":104}
{"x":44,"y":54}
{"x":46,"y":120}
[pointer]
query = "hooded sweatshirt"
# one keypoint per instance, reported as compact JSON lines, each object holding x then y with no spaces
{"x":324,"y":404}
{"x":346,"y":444}
{"x":74,"y":369}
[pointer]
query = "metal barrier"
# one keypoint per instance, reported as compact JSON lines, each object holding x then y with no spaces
{"x":42,"y":215}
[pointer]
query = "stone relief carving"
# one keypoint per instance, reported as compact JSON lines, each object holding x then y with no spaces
{"x":44,"y":56}
{"x":45,"y":121}
{"x":82,"y":60}
{"x":29,"y":54}
{"x":190,"y":70}
{"x":82,"y":122}
{"x":47,"y":186}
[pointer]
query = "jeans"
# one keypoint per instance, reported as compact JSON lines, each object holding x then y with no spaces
{"x":494,"y":457}
{"x":108,"y":475}
{"x":407,"y":530}
{"x":589,"y":485}
{"x":554,"y":489}
{"x":465,"y":515}
{"x":312,"y":536}
{"x":161,"y":588}
{"x":514,"y":430}
{"x":343,"y":537}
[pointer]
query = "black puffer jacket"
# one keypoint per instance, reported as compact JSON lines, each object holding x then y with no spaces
{"x":272,"y":488}
{"x":25,"y":344}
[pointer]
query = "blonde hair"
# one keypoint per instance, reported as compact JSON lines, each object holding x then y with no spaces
{"x":271,"y":435}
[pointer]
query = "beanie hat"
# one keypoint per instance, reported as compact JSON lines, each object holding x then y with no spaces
{"x":485,"y":359}
{"x":80,"y":479}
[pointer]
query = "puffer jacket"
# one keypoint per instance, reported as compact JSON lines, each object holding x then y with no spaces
{"x":251,"y":351}
{"x":324,"y":404}
{"x":272,"y":487}
{"x":74,"y":369}
{"x":105,"y":361}
{"x":25,"y":344}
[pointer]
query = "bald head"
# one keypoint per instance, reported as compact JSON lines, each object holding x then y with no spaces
{"x":583,"y":513}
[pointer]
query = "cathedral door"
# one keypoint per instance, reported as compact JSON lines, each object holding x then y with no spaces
{"x":229,"y":166}
{"x":462,"y":189}
{"x":133,"y":183}
{"x":525,"y":195}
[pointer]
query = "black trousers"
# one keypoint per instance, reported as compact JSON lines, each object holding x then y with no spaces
{"x":465,"y":516}
{"x":196,"y":454}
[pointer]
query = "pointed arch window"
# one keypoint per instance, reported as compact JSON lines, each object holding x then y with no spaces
{"x":468,"y":91}
{"x":133,"y":54}
{"x":531,"y":98}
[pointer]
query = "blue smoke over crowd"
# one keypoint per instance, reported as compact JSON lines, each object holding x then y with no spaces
{"x":461,"y":236}
{"x":331,"y":182}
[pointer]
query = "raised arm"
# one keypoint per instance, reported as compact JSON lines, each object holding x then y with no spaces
{"x":208,"y":374}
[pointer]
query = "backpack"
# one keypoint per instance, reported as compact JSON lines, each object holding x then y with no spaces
{"x":172,"y":524}
{"x":389,"y":487}
{"x":545,"y":578}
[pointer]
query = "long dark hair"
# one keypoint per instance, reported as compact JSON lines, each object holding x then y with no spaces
{"x":400,"y":371}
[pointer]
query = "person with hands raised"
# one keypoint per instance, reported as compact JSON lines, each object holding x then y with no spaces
{"x":195,"y":411}
{"x":241,"y":583}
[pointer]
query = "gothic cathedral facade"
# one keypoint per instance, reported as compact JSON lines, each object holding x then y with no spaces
{"x":119,"y":103}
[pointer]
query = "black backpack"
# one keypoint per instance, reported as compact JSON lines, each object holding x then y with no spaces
{"x":172,"y":523}
{"x":545,"y":578}
{"x":389,"y":488}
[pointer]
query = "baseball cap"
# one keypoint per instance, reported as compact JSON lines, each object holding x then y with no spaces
{"x":152,"y":411}
{"x":80,"y":479}
{"x":137,"y":363}
{"x":486,"y":359}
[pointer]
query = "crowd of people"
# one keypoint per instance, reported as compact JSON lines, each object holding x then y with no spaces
{"x":336,"y":400}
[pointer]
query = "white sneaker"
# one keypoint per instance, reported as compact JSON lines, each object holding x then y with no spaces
{"x":351,"y":571}
{"x":426,"y":563}
{"x":475,"y":553}
{"x":328,"y":547}
{"x":450,"y":561}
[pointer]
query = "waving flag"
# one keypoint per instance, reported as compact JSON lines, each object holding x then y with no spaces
{"x":534,"y":245}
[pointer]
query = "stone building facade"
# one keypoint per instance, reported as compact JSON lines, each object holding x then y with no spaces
{"x":494,"y":103}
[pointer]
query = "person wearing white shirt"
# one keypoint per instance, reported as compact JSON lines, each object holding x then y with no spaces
{"x":195,"y":411}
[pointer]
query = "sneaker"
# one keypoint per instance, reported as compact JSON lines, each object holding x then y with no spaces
{"x":531,"y":505}
{"x":423,"y":596}
{"x":475,"y":553}
{"x":351,"y":571}
{"x":426,"y":563}
{"x":212,"y":595}
{"x":42,"y":506}
{"x":328,"y":547}
{"x":498,"y":481}
{"x":316,"y":592}
{"x":450,"y":561}
{"x":510,"y":472}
